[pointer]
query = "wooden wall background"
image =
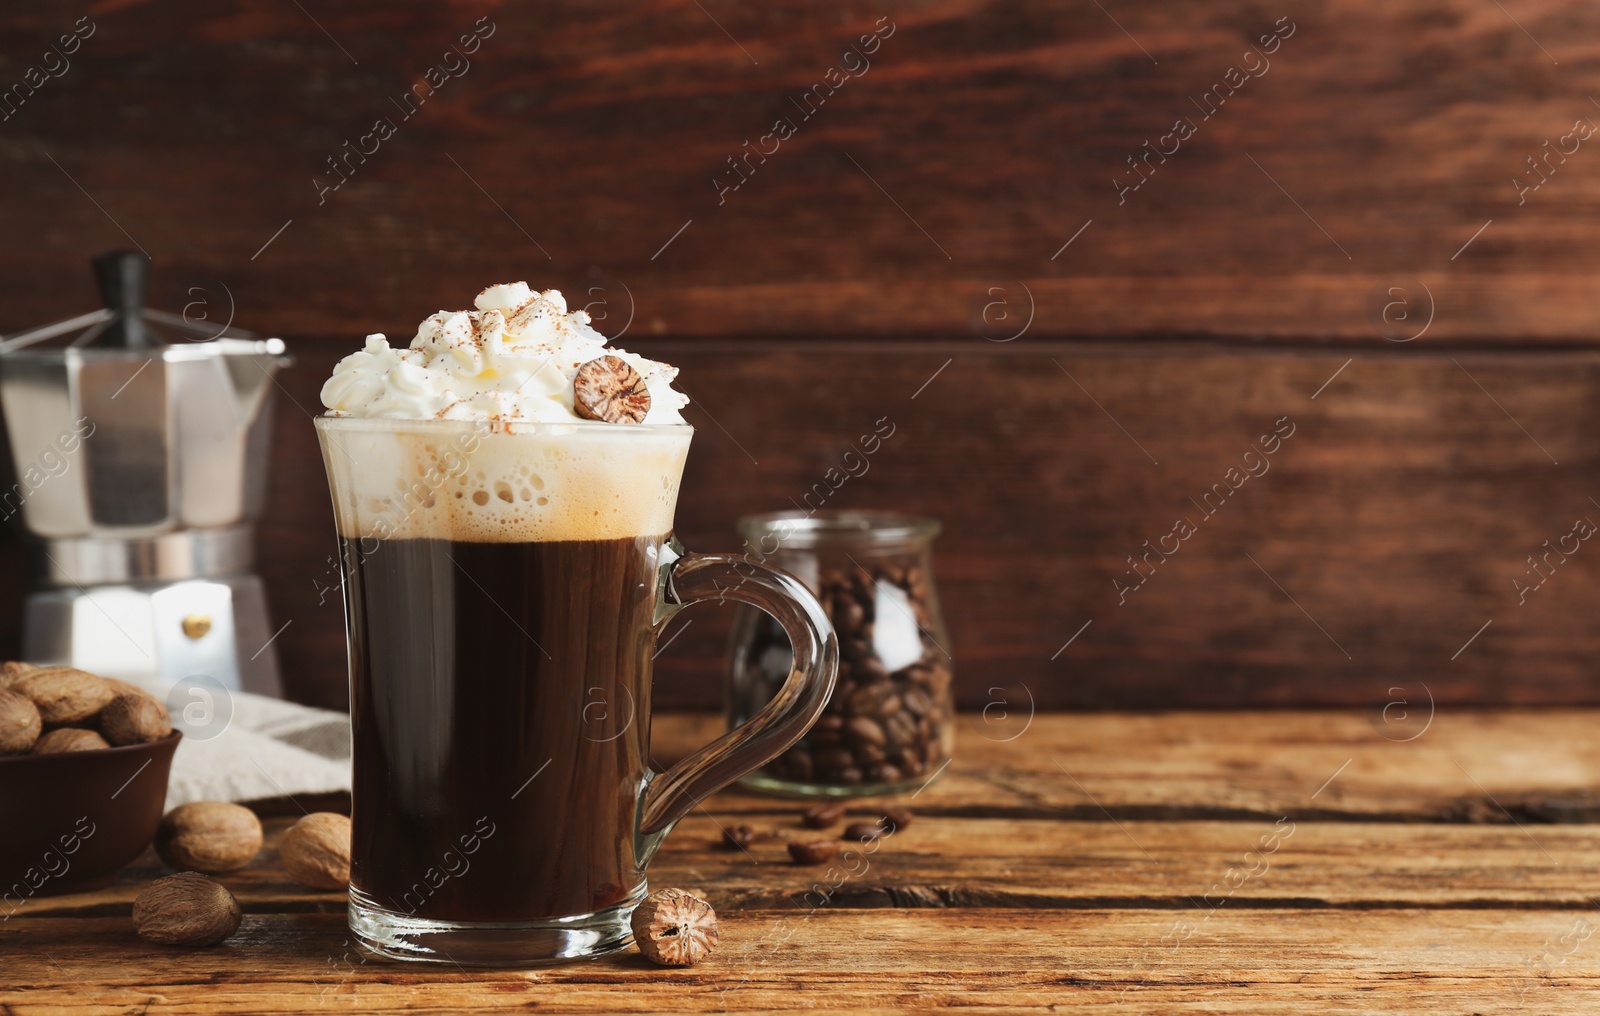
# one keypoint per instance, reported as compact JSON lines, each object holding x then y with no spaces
{"x":883,"y":262}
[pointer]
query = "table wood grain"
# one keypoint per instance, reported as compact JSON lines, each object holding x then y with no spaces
{"x":1184,"y":862}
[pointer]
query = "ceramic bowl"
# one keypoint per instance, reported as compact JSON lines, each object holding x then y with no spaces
{"x":72,"y":819}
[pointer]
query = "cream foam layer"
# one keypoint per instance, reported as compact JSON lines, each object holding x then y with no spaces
{"x":539,"y":483}
{"x":512,"y":359}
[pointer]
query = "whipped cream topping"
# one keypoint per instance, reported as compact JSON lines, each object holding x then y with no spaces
{"x":512,"y":359}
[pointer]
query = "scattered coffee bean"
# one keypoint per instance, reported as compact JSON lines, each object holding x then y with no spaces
{"x":738,"y":837}
{"x":896,"y":819}
{"x":822,"y":816}
{"x":813,"y":851}
{"x":866,"y":832}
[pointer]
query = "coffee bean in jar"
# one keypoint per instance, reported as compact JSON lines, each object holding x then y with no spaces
{"x":889,"y":724}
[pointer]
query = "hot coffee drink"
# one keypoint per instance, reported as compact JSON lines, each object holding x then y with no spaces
{"x":504,"y":493}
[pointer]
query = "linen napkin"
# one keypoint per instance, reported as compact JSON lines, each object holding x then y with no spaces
{"x":263,"y":747}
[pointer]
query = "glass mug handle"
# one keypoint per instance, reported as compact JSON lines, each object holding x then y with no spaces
{"x":692,"y":578}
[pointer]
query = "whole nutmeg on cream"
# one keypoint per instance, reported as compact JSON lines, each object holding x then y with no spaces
{"x":608,"y":388}
{"x":208,"y":836}
{"x":19,"y":722}
{"x":186,"y":909}
{"x":64,"y":694}
{"x":316,"y":851}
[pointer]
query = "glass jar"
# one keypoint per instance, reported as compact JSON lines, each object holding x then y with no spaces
{"x":889,"y":725}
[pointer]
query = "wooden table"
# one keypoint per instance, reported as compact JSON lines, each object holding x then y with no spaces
{"x":1192,"y":862}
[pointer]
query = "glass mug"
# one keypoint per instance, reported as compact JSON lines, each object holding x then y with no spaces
{"x":504,"y":586}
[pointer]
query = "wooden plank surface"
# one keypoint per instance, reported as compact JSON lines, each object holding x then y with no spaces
{"x":1119,"y":961}
{"x":1534,"y":766}
{"x":1055,"y":864}
{"x":1453,"y":909}
{"x":1541,"y":764}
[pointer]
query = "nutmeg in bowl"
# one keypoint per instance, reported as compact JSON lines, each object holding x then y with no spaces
{"x":74,"y":810}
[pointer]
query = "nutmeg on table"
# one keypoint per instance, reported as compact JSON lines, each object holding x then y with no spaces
{"x":216,"y":837}
{"x":186,"y":909}
{"x":675,"y":928}
{"x":316,"y":851}
{"x":209,"y":836}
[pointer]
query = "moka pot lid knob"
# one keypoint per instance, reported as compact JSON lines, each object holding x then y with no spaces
{"x":124,"y":278}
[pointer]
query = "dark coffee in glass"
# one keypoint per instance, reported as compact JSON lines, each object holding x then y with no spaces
{"x":501,"y":690}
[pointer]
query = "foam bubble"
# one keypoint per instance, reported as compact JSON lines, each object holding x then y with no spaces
{"x":591,"y":482}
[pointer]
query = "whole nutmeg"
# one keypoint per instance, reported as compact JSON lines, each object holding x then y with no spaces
{"x":608,"y":388}
{"x":675,"y":928}
{"x":11,"y":670}
{"x":316,"y":851}
{"x":19,"y":722}
{"x":134,"y":718}
{"x":64,"y":694}
{"x":121,"y":687}
{"x":185,"y":909}
{"x":208,"y":836}
{"x":65,"y":739}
